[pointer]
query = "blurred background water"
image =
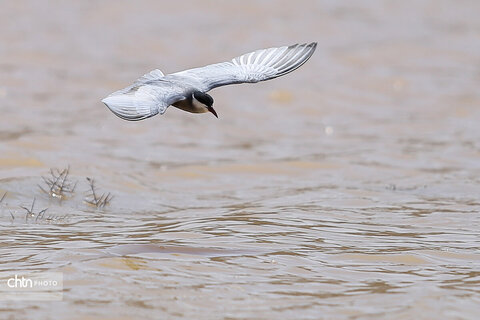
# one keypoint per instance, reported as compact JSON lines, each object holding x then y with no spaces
{"x":348,"y":189}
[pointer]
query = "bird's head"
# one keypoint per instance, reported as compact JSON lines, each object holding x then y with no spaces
{"x":205,"y":100}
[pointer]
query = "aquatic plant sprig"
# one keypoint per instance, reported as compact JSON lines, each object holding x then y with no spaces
{"x":31,"y":213}
{"x":59,"y":184}
{"x":94,"y":199}
{"x":40,"y":217}
{"x":1,"y":200}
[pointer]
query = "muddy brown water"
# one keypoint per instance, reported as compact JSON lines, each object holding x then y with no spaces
{"x":348,"y":189}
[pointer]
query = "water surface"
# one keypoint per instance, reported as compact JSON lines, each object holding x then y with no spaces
{"x":348,"y":189}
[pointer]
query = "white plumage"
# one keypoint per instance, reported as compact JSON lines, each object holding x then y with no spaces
{"x":154,"y":92}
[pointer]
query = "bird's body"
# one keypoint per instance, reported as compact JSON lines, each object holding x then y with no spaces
{"x":187,"y":90}
{"x":197,"y":102}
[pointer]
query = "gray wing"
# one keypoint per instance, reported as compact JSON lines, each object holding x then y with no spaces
{"x":252,"y":67}
{"x":148,"y":96}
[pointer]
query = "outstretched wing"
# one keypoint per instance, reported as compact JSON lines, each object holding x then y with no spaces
{"x":252,"y":67}
{"x":151,"y":76}
{"x":144,"y":99}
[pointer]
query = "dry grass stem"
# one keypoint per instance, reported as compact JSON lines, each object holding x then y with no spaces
{"x":31,"y":213}
{"x":94,"y":198}
{"x":58,"y":183}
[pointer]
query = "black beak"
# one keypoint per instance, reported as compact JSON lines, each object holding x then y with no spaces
{"x":212,"y":111}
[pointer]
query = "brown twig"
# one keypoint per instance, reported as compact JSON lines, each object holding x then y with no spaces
{"x":59,"y":185}
{"x":94,"y":199}
{"x":31,"y":212}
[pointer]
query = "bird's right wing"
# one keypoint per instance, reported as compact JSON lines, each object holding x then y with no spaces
{"x":144,"y":99}
{"x":252,"y":67}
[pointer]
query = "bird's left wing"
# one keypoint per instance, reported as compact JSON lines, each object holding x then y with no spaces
{"x":252,"y":67}
{"x":144,"y":99}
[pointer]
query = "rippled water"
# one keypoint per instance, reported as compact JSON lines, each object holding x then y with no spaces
{"x":348,"y":189}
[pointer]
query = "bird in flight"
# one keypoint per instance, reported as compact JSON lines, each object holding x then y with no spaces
{"x":152,"y":93}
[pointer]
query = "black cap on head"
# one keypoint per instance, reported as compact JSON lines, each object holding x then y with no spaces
{"x":203,"y":98}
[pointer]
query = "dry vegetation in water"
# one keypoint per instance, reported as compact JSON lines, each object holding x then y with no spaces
{"x":59,"y":185}
{"x":94,"y":199}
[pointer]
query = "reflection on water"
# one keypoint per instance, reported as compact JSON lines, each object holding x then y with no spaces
{"x":347,"y":189}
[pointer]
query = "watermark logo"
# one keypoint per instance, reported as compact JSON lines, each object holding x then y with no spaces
{"x":31,"y":286}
